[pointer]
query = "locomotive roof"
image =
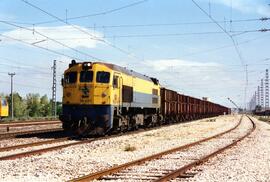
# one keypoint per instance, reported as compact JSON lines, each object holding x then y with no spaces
{"x":126,"y":71}
{"x":121,"y":69}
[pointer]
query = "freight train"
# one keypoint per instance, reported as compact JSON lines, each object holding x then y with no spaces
{"x":102,"y":97}
{"x":3,"y":108}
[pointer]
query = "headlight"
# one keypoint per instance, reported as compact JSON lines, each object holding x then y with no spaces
{"x":87,"y":66}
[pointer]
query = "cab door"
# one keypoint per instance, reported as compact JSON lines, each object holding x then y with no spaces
{"x":117,"y":89}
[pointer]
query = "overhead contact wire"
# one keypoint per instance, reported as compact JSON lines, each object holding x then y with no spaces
{"x":81,"y":30}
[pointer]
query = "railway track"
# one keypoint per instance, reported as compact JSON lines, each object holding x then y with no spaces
{"x":42,"y":150}
{"x":58,"y":147}
{"x":172,"y":163}
{"x":59,"y":140}
{"x":22,"y":146}
{"x":32,"y":123}
{"x":25,"y":133}
{"x":61,"y":146}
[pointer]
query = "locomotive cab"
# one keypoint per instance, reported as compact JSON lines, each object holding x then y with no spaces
{"x":86,"y":98}
{"x":3,"y":108}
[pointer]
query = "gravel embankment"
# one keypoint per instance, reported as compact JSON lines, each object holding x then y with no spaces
{"x":79,"y":160}
{"x":247,"y":161}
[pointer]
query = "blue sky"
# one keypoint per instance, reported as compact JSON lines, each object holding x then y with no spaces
{"x":172,"y":40}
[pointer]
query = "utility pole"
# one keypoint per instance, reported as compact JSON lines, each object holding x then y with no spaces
{"x":209,"y":6}
{"x":266,"y":90}
{"x":256,"y":99}
{"x":246,"y":86}
{"x":262,"y":95}
{"x":54,"y":104}
{"x":259,"y":97}
{"x":252,"y":103}
{"x":11,"y":91}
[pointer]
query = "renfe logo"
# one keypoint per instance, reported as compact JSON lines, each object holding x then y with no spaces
{"x":85,"y":91}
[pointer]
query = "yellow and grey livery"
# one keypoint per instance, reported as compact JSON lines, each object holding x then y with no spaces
{"x":98,"y":97}
{"x":3,"y":108}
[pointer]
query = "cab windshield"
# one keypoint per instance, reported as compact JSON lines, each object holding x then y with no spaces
{"x":86,"y":76}
{"x":71,"y":77}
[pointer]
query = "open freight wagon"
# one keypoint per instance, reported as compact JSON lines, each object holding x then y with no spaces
{"x":179,"y":107}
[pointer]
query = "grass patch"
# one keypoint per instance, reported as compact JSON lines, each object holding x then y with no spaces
{"x":129,"y":148}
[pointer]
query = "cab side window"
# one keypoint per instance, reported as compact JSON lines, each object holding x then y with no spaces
{"x":4,"y":102}
{"x":115,"y":81}
{"x":103,"y":77}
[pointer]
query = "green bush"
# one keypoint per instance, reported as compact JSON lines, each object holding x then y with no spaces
{"x":32,"y":107}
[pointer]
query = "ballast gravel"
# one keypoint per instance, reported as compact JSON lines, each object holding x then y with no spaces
{"x":170,"y":162}
{"x":248,"y":161}
{"x":20,"y":141}
{"x":75,"y":161}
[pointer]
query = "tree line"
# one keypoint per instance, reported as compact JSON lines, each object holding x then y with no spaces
{"x":33,"y":105}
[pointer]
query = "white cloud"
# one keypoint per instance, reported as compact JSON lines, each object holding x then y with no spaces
{"x":247,"y":6}
{"x":67,"y":35}
{"x":160,"y":65}
{"x":198,"y":79}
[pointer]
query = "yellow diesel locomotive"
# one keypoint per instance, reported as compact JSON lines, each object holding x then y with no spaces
{"x":99,"y":97}
{"x":3,"y":108}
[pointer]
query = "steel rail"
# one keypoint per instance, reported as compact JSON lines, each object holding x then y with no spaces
{"x":16,"y":134}
{"x":40,"y":151}
{"x":205,"y":158}
{"x":13,"y":125}
{"x":14,"y":147}
{"x":118,"y":168}
{"x":48,"y":149}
